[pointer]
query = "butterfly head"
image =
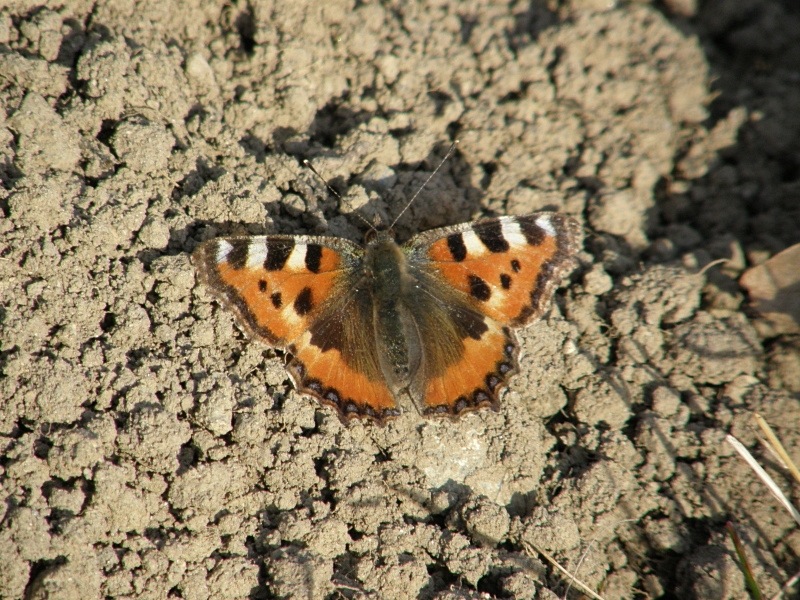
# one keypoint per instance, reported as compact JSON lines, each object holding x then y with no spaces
{"x":378,"y":235}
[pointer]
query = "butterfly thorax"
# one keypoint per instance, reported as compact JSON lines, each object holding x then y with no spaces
{"x":392,"y":288}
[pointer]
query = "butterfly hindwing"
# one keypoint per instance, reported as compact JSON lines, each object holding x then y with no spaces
{"x":467,"y":362}
{"x":336,"y":359}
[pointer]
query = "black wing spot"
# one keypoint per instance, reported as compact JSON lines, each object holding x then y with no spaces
{"x":313,"y":257}
{"x":505,"y":281}
{"x":515,"y":266}
{"x":277,"y":301}
{"x":237,"y":257}
{"x":262,"y":286}
{"x":491,"y":235}
{"x":478,"y":288}
{"x":277,"y":254}
{"x":533,"y":233}
{"x":328,"y":334}
{"x":455,"y":243}
{"x":303,"y":304}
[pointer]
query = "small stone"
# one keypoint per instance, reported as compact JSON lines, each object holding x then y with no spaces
{"x":486,"y":522}
{"x":597,"y":282}
{"x":666,"y":401}
{"x":154,"y":233}
{"x":143,"y":146}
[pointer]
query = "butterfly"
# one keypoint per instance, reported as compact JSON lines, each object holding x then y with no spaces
{"x":370,"y":329}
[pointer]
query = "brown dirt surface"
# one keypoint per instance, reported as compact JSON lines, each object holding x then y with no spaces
{"x":149,"y":450}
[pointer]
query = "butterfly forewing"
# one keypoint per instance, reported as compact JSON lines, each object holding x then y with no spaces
{"x":275,"y":284}
{"x":508,"y":266}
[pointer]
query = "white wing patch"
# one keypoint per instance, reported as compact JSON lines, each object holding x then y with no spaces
{"x":223,"y":249}
{"x":512,"y":233}
{"x":256,"y":253}
{"x":544,"y":223}
{"x":297,"y":259}
{"x":473,"y":244}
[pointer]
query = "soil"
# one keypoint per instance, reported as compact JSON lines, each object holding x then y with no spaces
{"x":149,"y":450}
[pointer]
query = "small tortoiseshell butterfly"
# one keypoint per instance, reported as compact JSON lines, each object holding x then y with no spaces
{"x":431,"y":320}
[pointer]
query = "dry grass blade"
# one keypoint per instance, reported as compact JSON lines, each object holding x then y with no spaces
{"x":586,"y":589}
{"x":777,"y":447}
{"x":762,"y":474}
{"x":589,"y":547}
{"x":787,"y":586}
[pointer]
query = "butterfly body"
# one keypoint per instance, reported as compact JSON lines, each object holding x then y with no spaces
{"x":428,"y":323}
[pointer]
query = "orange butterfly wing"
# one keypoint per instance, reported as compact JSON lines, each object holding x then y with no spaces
{"x":298,"y":293}
{"x":504,"y":270}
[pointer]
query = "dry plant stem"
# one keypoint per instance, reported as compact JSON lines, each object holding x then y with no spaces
{"x":777,"y":447}
{"x":594,"y":539}
{"x":586,"y":589}
{"x":711,"y":265}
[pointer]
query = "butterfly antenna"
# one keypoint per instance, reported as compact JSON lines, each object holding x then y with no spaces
{"x":334,"y":192}
{"x":422,"y":187}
